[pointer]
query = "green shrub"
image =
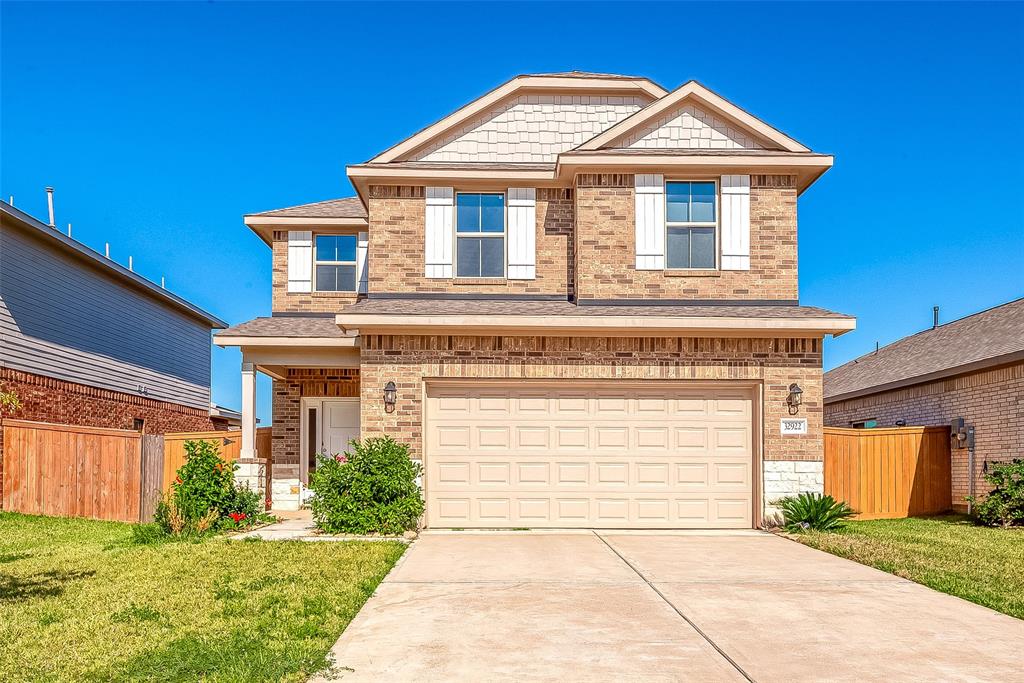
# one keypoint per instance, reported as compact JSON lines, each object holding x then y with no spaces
{"x":1004,"y":505}
{"x":369,"y":489}
{"x":815,"y":511}
{"x":204,"y":496}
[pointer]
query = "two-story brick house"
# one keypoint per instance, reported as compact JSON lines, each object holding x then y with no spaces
{"x":575,"y":298}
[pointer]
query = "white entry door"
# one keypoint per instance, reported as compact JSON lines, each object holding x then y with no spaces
{"x":339,"y":424}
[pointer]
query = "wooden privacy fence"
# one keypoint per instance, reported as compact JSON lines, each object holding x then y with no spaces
{"x":230,"y":443}
{"x":113,"y":474}
{"x":72,"y":471}
{"x":889,"y":473}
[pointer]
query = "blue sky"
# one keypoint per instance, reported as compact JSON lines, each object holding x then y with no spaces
{"x":161,"y":124}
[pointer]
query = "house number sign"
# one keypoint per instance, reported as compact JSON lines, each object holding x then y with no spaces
{"x":793,"y":425}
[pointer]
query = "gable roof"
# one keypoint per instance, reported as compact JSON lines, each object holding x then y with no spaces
{"x":119,"y":273}
{"x":692,"y":90}
{"x":556,"y":82}
{"x":985,"y":339}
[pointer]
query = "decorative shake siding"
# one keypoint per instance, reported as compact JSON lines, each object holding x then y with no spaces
{"x":407,"y":360}
{"x":991,"y":400}
{"x":605,"y":250}
{"x":397,"y":237}
{"x":533,"y":128}
{"x":283,"y":301}
{"x":690,"y":128}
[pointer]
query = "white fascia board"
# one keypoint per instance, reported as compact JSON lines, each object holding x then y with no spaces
{"x":224,"y":341}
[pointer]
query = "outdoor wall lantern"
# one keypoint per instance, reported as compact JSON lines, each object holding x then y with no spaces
{"x":795,"y":398}
{"x":390,"y":396}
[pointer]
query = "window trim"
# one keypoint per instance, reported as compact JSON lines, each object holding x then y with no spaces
{"x":716,"y":224}
{"x":316,"y":262}
{"x":503,"y":234}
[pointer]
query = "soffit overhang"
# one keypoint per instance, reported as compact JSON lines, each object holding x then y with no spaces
{"x":595,"y":325}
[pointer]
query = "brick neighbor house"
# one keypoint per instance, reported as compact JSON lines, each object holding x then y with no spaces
{"x":84,"y":341}
{"x":971,"y":368}
{"x":575,"y":299}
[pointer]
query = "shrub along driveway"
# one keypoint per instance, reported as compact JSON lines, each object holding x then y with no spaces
{"x":662,"y":606}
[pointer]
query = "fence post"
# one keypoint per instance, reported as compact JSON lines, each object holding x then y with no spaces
{"x":152,"y":475}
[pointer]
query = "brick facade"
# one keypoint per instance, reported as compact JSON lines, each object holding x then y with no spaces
{"x":45,"y":399}
{"x":605,"y":250}
{"x":991,"y":400}
{"x":585,"y":248}
{"x":775,"y":363}
{"x":396,"y":251}
{"x":287,"y":410}
{"x":283,"y":301}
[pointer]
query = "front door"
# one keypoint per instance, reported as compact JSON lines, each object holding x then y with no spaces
{"x":339,"y":424}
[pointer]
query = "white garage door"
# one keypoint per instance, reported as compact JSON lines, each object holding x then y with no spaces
{"x":557,"y":456}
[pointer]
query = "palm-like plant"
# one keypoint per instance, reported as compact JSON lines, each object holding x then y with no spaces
{"x":813,"y":511}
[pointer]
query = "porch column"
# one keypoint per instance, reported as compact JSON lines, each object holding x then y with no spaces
{"x":248,"y":451}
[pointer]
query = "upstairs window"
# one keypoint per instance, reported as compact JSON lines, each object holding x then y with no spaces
{"x":480,"y":235}
{"x":334,"y":258}
{"x":691,"y":218}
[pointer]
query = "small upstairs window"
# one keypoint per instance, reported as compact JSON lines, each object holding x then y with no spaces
{"x":335,"y":259}
{"x":691,"y":218}
{"x":480,"y":235}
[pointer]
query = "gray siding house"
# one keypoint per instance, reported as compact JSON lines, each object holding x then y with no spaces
{"x":85,"y":341}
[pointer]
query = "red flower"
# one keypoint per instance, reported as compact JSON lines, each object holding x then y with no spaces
{"x":177,"y":480}
{"x":340,"y":457}
{"x":237,"y":516}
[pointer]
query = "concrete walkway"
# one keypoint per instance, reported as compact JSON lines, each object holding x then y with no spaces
{"x":293,"y":526}
{"x":662,"y":607}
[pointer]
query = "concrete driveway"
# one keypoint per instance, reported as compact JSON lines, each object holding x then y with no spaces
{"x":662,"y":607}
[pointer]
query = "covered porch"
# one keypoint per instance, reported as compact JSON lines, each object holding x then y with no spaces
{"x":314,"y":368}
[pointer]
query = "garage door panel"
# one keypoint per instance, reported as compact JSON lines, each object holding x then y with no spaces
{"x":619,"y":458}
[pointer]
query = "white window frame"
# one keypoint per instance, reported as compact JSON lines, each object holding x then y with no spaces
{"x":716,"y":224}
{"x":503,"y":234}
{"x":354,"y":264}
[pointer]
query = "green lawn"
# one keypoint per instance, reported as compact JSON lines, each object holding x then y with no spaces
{"x":950,"y":554}
{"x":78,"y":602}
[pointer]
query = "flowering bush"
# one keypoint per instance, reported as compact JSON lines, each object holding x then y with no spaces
{"x":370,"y":489}
{"x":204,"y":495}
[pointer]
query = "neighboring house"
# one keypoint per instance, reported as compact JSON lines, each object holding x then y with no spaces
{"x":84,"y":341}
{"x":575,"y":299}
{"x":971,"y":368}
{"x":225,"y":418}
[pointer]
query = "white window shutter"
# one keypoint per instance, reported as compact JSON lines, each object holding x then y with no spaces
{"x":300,"y":261}
{"x":439,"y":232}
{"x":522,"y":233}
{"x":650,"y":221}
{"x":735,"y":222}
{"x":362,"y":265}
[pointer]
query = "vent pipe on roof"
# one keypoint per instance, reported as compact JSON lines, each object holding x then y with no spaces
{"x":11,"y":201}
{"x":69,"y":230}
{"x":130,"y":264}
{"x":106,"y":249}
{"x":49,"y":205}
{"x":935,"y":317}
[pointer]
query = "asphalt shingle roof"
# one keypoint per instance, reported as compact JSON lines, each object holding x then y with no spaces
{"x":347,"y":207}
{"x":984,"y":336}
{"x":555,"y":308}
{"x":319,"y":327}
